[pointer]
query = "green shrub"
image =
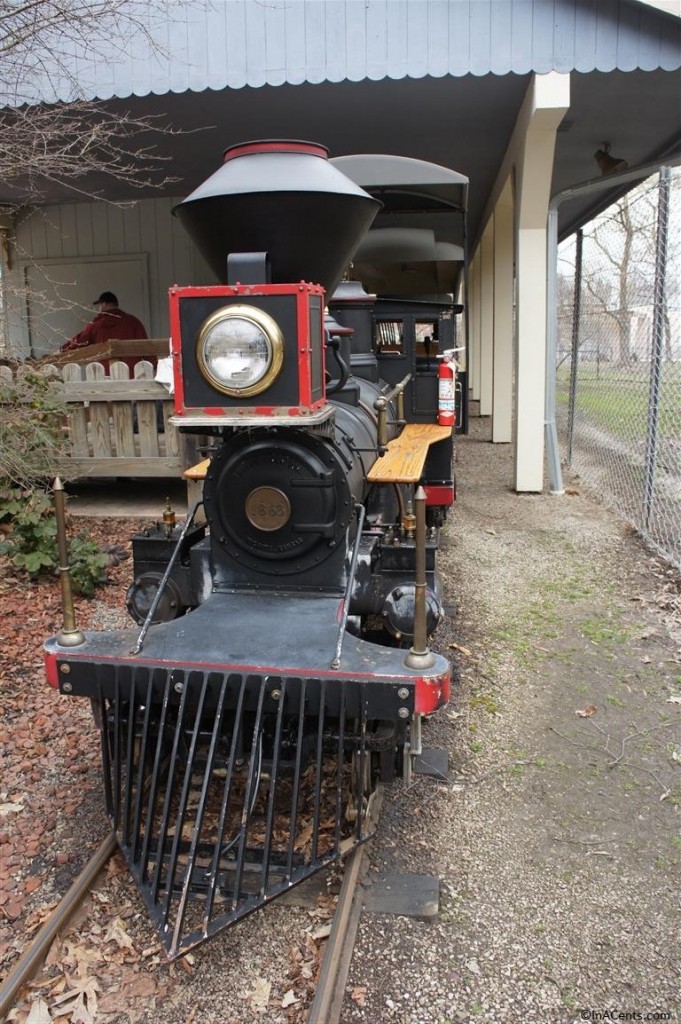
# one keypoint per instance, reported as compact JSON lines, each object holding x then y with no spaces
{"x":88,"y":565}
{"x":28,"y":522}
{"x":32,"y":440}
{"x":32,"y":435}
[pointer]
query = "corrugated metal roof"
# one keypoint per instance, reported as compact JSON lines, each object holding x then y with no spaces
{"x":215,"y":44}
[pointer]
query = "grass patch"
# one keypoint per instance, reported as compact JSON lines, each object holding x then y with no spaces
{"x":603,"y":630}
{"x":484,"y":702}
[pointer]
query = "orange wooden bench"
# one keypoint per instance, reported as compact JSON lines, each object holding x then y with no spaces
{"x":197,"y":472}
{"x":402,"y":463}
{"x":406,"y":455}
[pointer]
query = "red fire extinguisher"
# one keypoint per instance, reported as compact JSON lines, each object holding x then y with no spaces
{"x":446,"y":392}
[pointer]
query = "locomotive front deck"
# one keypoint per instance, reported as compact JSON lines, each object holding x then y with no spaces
{"x":236,"y":765}
{"x":266,"y":634}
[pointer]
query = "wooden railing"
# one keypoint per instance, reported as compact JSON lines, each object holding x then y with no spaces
{"x":118,"y":424}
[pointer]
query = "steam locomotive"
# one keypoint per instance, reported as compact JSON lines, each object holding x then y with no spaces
{"x":280,"y":664}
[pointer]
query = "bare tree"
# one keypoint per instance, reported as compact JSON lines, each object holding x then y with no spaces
{"x":44,"y":45}
{"x":620,"y":279}
{"x":55,"y":140}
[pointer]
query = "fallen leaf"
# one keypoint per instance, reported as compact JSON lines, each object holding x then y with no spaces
{"x":116,"y":933}
{"x":462,"y":650}
{"x":10,"y":809}
{"x":588,"y":711}
{"x":260,"y":996}
{"x":359,"y":996}
{"x":674,"y":699}
{"x":83,"y":1001}
{"x":289,"y":999}
{"x":303,"y":837}
{"x":39,"y":1013}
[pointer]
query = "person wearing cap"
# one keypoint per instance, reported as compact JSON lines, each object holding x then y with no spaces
{"x":110,"y":323}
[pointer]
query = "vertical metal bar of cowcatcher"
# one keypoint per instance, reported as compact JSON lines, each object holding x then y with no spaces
{"x":168,"y":799}
{"x":101,"y":713}
{"x":296,"y":780}
{"x":246,"y":812}
{"x":129,"y":758}
{"x":274,"y":779}
{"x":318,"y":770}
{"x":226,"y":796}
{"x":339,"y":766}
{"x":198,"y":822}
{"x":155,"y":777}
{"x":362,"y":759}
{"x":184,"y":797}
{"x":116,"y":754}
{"x":141,"y":770}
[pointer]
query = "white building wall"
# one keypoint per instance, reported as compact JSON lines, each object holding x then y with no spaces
{"x":79,"y":243}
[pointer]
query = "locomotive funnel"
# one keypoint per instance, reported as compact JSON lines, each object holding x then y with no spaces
{"x":286,"y":199}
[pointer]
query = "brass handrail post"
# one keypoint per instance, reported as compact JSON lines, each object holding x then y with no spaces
{"x":420,"y":655}
{"x":70,"y":635}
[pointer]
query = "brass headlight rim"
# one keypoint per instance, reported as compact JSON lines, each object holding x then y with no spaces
{"x":273,"y":333}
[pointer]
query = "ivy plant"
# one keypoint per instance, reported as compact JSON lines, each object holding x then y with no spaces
{"x":32,"y":441}
{"x":29,"y":531}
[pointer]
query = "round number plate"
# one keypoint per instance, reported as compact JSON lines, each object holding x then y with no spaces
{"x":267,"y":508}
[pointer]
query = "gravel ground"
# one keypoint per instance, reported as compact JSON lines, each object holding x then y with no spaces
{"x":108,"y":967}
{"x":557,"y":838}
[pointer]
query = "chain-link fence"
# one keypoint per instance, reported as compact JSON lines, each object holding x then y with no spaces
{"x":618,"y":386}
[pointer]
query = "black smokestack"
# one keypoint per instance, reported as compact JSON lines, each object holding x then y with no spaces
{"x":283,"y":198}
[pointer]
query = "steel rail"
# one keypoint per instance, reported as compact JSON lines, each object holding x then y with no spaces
{"x":328,"y":999}
{"x":31,"y":959}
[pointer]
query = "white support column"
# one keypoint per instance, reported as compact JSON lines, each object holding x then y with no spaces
{"x":504,"y":256}
{"x":487,"y":319}
{"x":547,"y":100}
{"x":474,"y":337}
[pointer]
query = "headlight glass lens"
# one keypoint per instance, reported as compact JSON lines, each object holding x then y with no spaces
{"x":240,"y":350}
{"x":237,"y":352}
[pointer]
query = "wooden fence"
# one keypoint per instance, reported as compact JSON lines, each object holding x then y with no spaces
{"x":118,"y":426}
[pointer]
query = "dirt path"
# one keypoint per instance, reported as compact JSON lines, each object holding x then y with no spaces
{"x":557,"y":838}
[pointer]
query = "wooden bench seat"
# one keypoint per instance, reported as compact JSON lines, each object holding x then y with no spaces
{"x":402,"y":463}
{"x":197,"y":472}
{"x":406,"y":455}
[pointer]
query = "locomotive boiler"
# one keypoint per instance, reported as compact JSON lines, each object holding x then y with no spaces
{"x":280,"y":664}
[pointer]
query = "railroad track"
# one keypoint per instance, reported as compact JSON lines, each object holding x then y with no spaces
{"x":31,"y":959}
{"x":328,"y":1000}
{"x":327,"y":1003}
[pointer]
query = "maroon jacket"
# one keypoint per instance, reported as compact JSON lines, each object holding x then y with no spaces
{"x":108,"y":325}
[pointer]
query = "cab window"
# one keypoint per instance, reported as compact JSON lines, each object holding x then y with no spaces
{"x":389,"y":337}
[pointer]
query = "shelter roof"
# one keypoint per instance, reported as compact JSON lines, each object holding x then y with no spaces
{"x":194,"y":45}
{"x":442,"y":80}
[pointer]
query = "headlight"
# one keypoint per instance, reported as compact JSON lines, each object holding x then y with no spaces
{"x":240,"y":350}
